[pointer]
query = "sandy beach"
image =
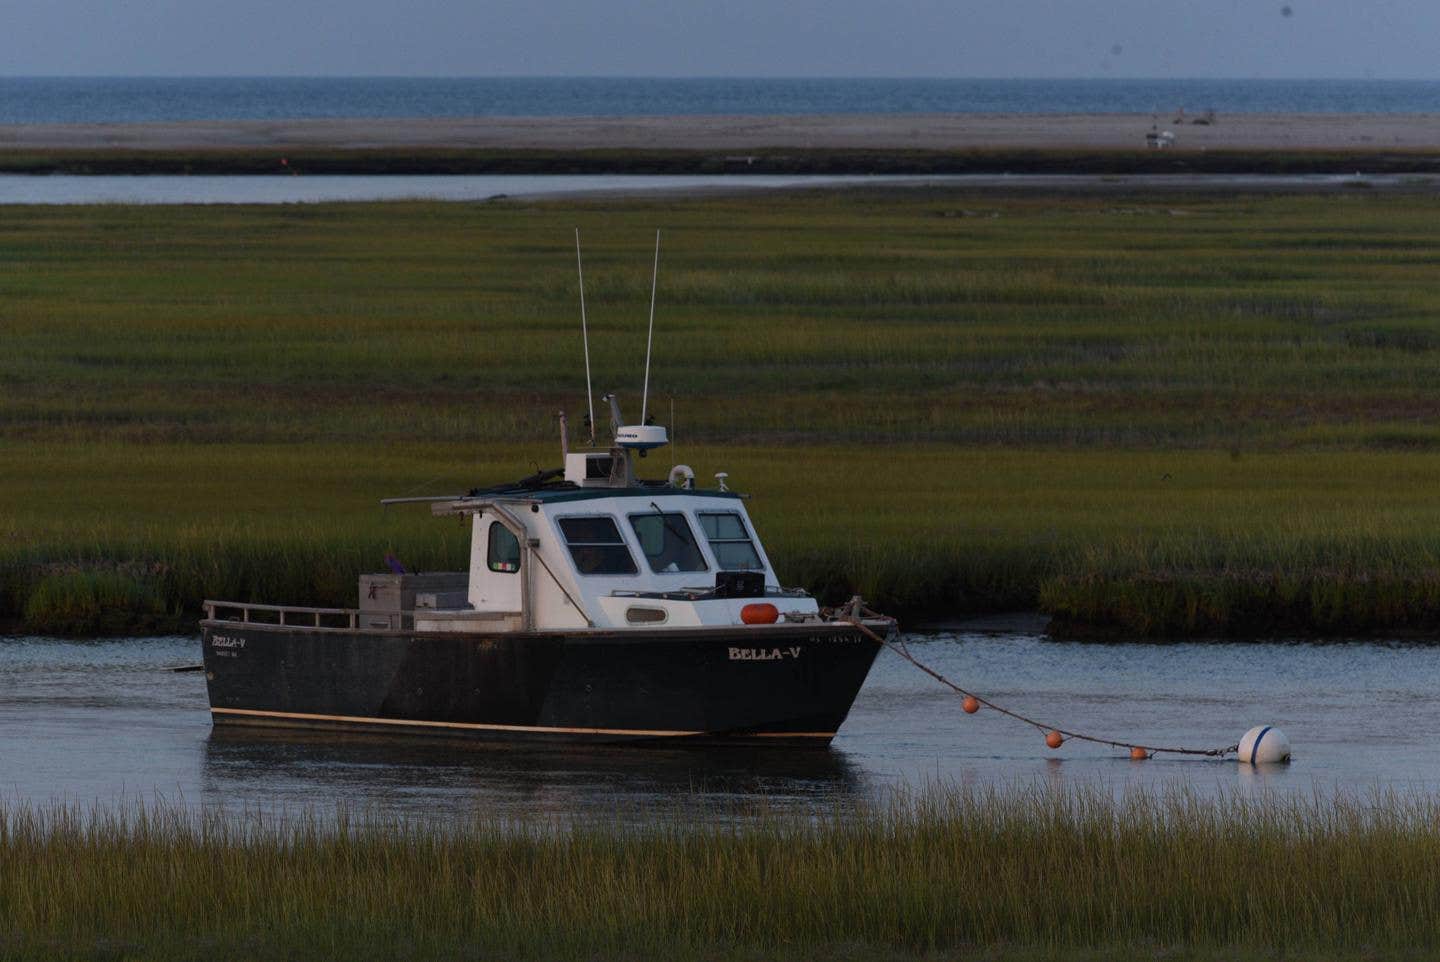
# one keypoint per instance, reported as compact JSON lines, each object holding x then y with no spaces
{"x":1331,"y":132}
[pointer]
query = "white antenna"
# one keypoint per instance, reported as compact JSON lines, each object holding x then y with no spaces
{"x":585,"y":334}
{"x":649,"y":338}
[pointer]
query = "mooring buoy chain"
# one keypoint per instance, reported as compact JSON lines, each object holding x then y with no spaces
{"x":1054,"y":735}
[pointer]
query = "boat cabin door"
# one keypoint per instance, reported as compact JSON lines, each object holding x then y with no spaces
{"x":495,"y":560}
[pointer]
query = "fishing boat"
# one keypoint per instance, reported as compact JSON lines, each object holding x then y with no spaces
{"x":598,"y":606}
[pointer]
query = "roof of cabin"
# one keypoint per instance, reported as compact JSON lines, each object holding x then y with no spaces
{"x":560,"y":493}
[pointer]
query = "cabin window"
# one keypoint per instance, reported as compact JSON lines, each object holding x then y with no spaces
{"x":504,"y":550}
{"x":734,"y":550}
{"x":667,"y":542}
{"x":597,"y":547}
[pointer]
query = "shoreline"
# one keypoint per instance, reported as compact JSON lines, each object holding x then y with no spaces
{"x":1054,"y":163}
{"x":818,"y":144}
{"x":944,"y":132}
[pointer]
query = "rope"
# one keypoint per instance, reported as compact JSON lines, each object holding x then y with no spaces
{"x":1149,"y":750}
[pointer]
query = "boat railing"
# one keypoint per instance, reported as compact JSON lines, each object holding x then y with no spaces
{"x":311,"y":619}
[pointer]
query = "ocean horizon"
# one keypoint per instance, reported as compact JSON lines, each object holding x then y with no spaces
{"x":89,"y":100}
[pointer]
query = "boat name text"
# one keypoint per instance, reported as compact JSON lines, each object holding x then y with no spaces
{"x":225,"y":646}
{"x":764,"y":654}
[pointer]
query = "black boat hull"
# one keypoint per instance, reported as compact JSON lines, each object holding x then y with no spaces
{"x":780,"y":684}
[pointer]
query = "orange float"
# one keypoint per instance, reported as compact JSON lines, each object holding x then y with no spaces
{"x":971,"y":704}
{"x":1054,"y":739}
{"x":761,"y":614}
{"x":1138,"y":754}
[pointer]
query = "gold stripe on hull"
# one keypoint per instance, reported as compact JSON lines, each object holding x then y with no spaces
{"x":481,"y":726}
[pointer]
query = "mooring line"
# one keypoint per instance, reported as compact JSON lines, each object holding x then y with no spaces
{"x":1150,"y":750}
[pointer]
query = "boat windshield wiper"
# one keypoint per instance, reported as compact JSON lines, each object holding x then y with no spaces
{"x":665,"y":520}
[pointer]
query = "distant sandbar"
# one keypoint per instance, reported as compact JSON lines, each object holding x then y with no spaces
{"x":1244,"y":132}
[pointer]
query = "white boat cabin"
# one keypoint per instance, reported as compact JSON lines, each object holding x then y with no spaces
{"x":604,"y":551}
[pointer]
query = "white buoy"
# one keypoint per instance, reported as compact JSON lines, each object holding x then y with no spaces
{"x":1264,"y":745}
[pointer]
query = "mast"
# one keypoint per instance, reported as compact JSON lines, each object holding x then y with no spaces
{"x":650,"y":337}
{"x":585,"y":335}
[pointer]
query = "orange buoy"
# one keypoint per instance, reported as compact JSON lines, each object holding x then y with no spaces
{"x":971,"y":704}
{"x":1138,"y":754}
{"x":1054,"y":739}
{"x":762,"y":614}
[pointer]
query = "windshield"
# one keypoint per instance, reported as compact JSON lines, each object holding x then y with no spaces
{"x":597,"y":547}
{"x":734,"y":551}
{"x":667,"y":542}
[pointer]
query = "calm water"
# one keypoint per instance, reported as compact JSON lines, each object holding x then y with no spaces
{"x":168,"y":189}
{"x":175,"y":189}
{"x":105,"y":721}
{"x":32,"y":100}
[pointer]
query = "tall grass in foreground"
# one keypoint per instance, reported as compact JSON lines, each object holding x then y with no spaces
{"x":1028,"y":871}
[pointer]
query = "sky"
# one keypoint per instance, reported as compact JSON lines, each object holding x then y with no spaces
{"x":1387,"y":39}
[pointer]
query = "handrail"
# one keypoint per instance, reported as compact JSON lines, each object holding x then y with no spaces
{"x":209,"y":604}
{"x":354,"y":619}
{"x":312,"y":615}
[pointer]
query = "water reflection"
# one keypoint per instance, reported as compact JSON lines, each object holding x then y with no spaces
{"x":265,"y":189}
{"x":398,"y":774}
{"x":279,"y":189}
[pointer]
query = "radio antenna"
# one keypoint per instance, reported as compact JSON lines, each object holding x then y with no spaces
{"x":585,"y":335}
{"x":650,"y":338}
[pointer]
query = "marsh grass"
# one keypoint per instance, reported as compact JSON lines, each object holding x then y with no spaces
{"x":871,"y":317}
{"x":1152,"y":415}
{"x":1146,"y":544}
{"x":1016,"y":871}
{"x":103,"y":601}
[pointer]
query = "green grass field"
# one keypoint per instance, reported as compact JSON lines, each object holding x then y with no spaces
{"x":944,"y":873}
{"x":1150,"y":415}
